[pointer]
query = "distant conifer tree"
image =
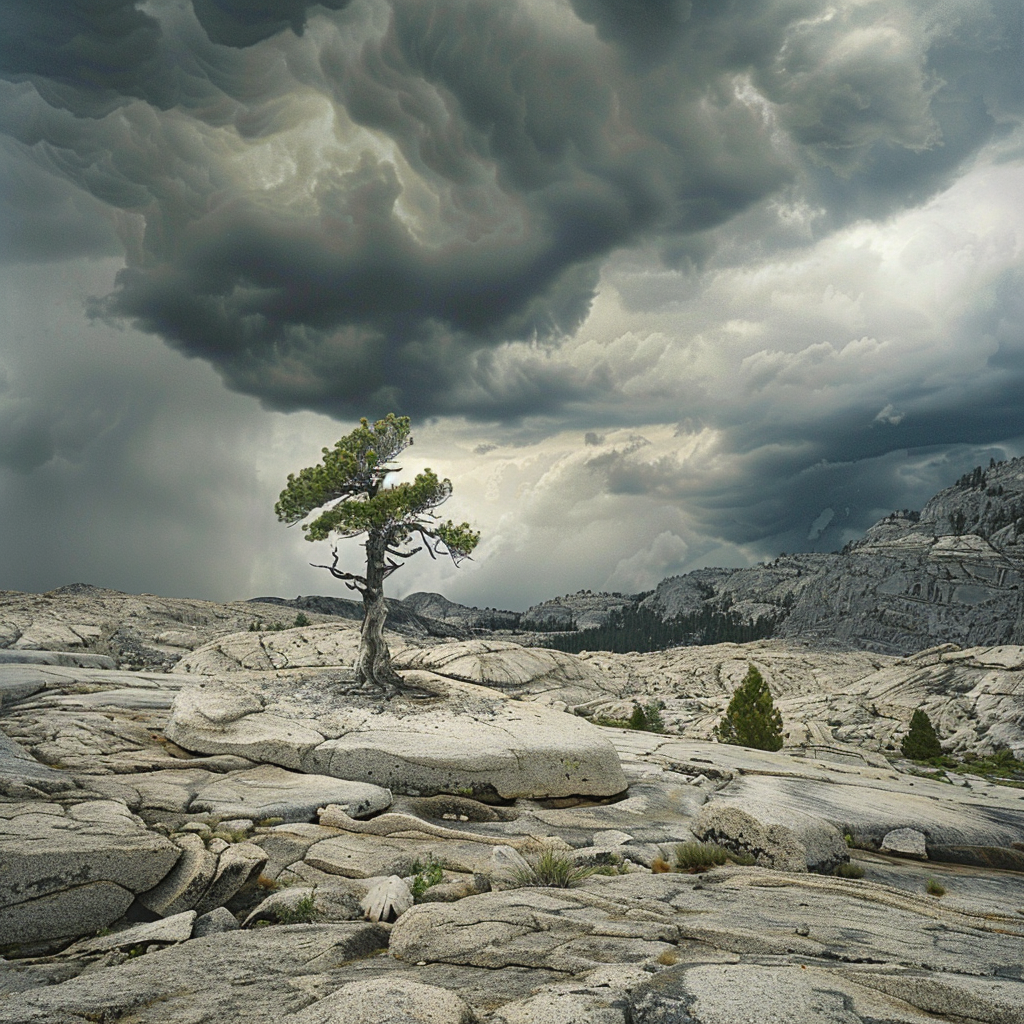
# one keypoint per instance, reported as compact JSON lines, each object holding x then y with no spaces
{"x":751,"y":719}
{"x":921,"y":743}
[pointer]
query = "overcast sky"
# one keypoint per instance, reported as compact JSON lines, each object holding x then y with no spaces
{"x":662,"y":283}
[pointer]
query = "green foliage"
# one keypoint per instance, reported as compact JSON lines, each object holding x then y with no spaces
{"x":934,"y":888}
{"x":302,"y":619}
{"x":348,"y":486}
{"x":647,"y":718}
{"x":303,"y":911}
{"x":751,"y":719}
{"x":921,"y":743}
{"x":849,"y":870}
{"x":426,"y":875}
{"x":699,"y":856}
{"x":642,"y":629}
{"x":554,"y":871}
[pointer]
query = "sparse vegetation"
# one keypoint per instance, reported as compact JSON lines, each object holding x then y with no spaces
{"x":645,"y":718}
{"x":696,"y":857}
{"x":303,"y":911}
{"x":850,"y":870}
{"x":302,"y":619}
{"x":934,"y":888}
{"x":425,"y":876}
{"x":751,"y":719}
{"x":554,"y":871}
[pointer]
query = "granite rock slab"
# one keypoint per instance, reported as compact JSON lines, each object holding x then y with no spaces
{"x":472,"y":740}
{"x":56,"y":861}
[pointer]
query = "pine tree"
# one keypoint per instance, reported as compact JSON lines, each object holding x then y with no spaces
{"x":751,"y":719}
{"x":348,"y":489}
{"x":921,"y":743}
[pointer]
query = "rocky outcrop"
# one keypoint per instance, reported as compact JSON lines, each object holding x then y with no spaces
{"x":66,"y":872}
{"x":470,"y":740}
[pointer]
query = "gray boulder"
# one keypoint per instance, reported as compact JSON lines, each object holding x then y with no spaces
{"x":905,"y":842}
{"x":473,"y":741}
{"x":388,"y":1001}
{"x":790,"y":841}
{"x":72,"y":871}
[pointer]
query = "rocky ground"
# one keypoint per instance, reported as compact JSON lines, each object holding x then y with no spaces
{"x":252,"y":837}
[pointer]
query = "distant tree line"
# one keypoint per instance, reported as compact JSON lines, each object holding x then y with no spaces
{"x":641,"y":629}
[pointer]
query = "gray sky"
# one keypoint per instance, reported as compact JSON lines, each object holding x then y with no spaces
{"x":662,"y":285}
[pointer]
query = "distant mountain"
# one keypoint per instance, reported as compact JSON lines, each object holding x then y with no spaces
{"x":949,"y":573}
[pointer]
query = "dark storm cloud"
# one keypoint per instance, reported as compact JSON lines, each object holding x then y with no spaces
{"x":545,"y":145}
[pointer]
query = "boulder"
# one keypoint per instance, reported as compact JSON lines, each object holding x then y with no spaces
{"x":801,"y":843}
{"x":186,"y":883}
{"x":71,"y":871}
{"x":216,"y":921}
{"x":237,"y":867}
{"x":471,"y":741}
{"x":388,"y":900}
{"x":177,"y":928}
{"x":263,"y":976}
{"x":905,"y":842}
{"x":388,"y":1001}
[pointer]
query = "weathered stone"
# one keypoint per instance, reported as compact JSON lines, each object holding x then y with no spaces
{"x":355,"y":856}
{"x":387,"y":900}
{"x":262,"y":976}
{"x":47,"y":851}
{"x":237,"y":867}
{"x":187,"y":882}
{"x":214,"y":922}
{"x":333,"y":901}
{"x":177,"y":928}
{"x":473,"y":741}
{"x":388,"y":1001}
{"x":65,"y":914}
{"x":272,"y":792}
{"x":905,"y":842}
{"x":804,"y":844}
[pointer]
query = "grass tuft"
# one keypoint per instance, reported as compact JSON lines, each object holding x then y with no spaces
{"x":849,"y":870}
{"x":554,"y":871}
{"x":694,"y":857}
{"x":934,"y":888}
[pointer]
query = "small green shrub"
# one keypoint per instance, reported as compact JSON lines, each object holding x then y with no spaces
{"x":647,"y":717}
{"x":934,"y":888}
{"x":921,"y":743}
{"x":849,"y":870}
{"x":699,"y":856}
{"x":302,"y":619}
{"x":425,"y":875}
{"x":303,"y":911}
{"x":554,"y":871}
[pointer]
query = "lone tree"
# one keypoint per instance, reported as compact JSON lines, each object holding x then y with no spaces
{"x":348,"y":487}
{"x":921,"y":743}
{"x":751,"y":719}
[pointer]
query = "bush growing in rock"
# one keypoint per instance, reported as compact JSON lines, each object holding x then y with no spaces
{"x":554,"y":871}
{"x":751,"y":719}
{"x":921,"y":743}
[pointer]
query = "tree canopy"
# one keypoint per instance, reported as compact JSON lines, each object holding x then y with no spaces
{"x":921,"y":743}
{"x":751,"y":719}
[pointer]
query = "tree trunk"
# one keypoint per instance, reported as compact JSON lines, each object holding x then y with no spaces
{"x":374,"y":664}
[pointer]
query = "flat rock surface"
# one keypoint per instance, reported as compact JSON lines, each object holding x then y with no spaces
{"x":469,"y":740}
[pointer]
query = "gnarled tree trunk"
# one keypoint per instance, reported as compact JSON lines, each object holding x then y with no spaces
{"x":374,"y":663}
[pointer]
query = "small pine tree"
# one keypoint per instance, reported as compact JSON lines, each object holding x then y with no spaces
{"x":921,"y":742}
{"x":751,"y":719}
